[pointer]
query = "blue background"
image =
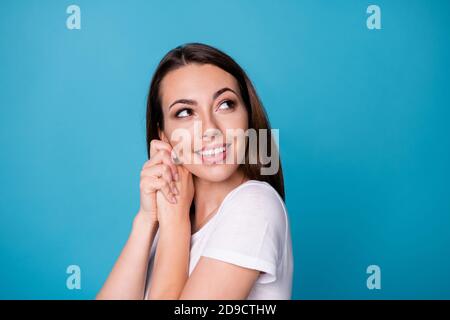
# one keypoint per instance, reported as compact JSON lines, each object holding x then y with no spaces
{"x":364,"y":135}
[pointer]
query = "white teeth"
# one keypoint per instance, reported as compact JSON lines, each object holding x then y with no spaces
{"x":212,"y":152}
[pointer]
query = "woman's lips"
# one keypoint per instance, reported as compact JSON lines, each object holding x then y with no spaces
{"x":214,"y":154}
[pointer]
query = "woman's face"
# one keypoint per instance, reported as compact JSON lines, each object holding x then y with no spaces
{"x":200,"y":103}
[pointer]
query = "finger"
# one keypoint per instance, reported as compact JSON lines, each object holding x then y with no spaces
{"x":163,"y":187}
{"x":149,"y":185}
{"x":168,"y":193}
{"x":156,"y":145}
{"x":163,"y":156}
{"x":160,"y":171}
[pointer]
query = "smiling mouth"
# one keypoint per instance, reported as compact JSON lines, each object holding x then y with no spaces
{"x":214,"y":154}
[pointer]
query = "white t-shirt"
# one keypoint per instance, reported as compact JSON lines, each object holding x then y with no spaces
{"x":250,"y":229}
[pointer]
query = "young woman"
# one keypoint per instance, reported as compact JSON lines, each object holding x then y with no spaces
{"x":207,"y":227}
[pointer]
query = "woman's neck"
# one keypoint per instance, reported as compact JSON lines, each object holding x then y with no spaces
{"x":209,"y":195}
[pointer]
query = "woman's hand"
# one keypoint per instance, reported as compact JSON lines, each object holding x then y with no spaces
{"x":158,"y":175}
{"x":173,"y":214}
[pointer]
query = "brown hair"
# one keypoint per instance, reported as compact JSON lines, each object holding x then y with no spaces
{"x":257,"y":117}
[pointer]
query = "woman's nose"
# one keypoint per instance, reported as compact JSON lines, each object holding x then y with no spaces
{"x":210,"y":128}
{"x":211,"y":133}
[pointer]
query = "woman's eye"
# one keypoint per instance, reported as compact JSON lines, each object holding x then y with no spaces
{"x":228,"y":104}
{"x":183,"y":113}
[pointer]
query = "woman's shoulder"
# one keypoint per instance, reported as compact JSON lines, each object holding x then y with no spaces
{"x":256,"y":189}
{"x":258,"y":198}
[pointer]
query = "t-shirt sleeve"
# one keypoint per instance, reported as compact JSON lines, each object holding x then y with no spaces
{"x":251,"y":231}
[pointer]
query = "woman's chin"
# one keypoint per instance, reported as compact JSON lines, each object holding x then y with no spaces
{"x":212,"y":172}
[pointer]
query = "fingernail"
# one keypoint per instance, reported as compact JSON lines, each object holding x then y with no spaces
{"x":174,"y":200}
{"x":173,"y":157}
{"x":176,"y":176}
{"x":174,"y":189}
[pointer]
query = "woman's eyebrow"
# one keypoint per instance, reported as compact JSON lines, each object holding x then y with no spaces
{"x":219,"y":92}
{"x":193,"y":102}
{"x":184,"y":101}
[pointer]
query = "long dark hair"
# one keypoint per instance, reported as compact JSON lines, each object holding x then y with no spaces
{"x":257,"y":117}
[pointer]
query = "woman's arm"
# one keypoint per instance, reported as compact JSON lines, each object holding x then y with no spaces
{"x":213,"y":279}
{"x":171,"y":266}
{"x":127,"y":279}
